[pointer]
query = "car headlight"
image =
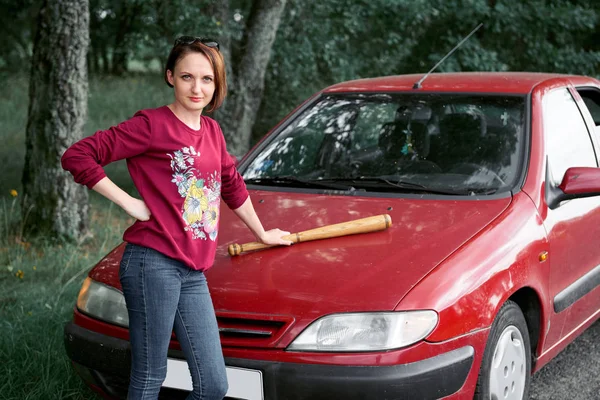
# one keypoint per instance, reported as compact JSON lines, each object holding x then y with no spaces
{"x":103,"y":302}
{"x":366,"y":331}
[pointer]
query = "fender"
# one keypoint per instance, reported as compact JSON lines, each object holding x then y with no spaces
{"x":469,"y":301}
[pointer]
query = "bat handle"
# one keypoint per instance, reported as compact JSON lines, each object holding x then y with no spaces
{"x":234,"y":249}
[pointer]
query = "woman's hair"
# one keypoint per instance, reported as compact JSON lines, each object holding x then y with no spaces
{"x":216,"y":61}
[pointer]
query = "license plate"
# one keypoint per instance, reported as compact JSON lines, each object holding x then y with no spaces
{"x":246,"y":384}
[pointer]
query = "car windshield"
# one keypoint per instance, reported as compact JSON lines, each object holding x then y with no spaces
{"x":437,"y":143}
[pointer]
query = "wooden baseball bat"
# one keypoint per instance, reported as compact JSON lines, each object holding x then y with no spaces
{"x":363,"y":225}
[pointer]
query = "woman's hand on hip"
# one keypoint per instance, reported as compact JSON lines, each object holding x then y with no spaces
{"x":137,"y":209}
{"x":132,"y":206}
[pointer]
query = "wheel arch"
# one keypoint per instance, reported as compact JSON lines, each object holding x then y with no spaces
{"x":530,"y":304}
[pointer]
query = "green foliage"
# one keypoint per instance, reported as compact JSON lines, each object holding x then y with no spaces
{"x":17,"y":26}
{"x":39,"y":282}
{"x":544,"y":36}
{"x":13,"y":118}
{"x":145,"y":30}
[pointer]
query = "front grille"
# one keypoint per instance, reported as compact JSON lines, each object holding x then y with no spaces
{"x":236,"y":332}
{"x":251,"y":330}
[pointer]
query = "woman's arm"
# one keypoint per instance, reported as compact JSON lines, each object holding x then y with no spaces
{"x":85,"y":158}
{"x":247,"y":214}
{"x":136,"y":208}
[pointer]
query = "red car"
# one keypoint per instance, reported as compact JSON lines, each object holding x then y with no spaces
{"x":490,"y":267}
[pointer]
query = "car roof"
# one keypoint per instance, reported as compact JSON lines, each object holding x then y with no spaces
{"x":468,"y":82}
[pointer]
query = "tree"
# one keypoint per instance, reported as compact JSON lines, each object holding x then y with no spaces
{"x":129,"y":12}
{"x":53,"y":202}
{"x":248,"y":64}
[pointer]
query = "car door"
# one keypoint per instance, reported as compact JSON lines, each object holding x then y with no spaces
{"x":573,"y":227}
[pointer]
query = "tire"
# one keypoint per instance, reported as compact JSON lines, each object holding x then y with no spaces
{"x":505,"y":372}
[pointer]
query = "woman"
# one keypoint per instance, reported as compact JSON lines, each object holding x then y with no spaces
{"x":179,"y":164}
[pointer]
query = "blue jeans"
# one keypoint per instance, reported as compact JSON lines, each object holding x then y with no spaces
{"x":163,"y":294}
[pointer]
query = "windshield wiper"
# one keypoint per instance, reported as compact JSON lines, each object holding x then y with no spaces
{"x":293,"y":181}
{"x":377,"y":181}
{"x":364,"y":182}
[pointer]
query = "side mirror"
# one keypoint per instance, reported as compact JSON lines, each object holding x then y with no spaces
{"x":578,"y":182}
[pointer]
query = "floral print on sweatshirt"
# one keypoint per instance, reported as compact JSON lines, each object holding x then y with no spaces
{"x":200,"y":209}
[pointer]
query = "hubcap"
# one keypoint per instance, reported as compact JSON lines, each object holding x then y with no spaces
{"x":509,"y":366}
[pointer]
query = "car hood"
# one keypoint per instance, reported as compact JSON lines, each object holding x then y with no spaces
{"x":363,"y":272}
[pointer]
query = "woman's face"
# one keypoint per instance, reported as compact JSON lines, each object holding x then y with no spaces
{"x":194,"y":82}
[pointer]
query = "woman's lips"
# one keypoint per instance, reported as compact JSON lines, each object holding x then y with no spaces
{"x":196,"y":99}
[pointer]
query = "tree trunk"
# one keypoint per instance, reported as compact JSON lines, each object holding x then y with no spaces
{"x":220,"y":10}
{"x":128,"y":13}
{"x":53,"y":203}
{"x":246,"y":83}
{"x":106,"y":67}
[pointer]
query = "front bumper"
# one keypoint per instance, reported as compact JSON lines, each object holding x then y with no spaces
{"x":106,"y":361}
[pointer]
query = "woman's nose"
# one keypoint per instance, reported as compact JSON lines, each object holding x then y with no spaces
{"x":197,"y":86}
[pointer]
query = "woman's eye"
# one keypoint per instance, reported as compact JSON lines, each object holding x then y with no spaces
{"x":208,"y":79}
{"x":185,"y":77}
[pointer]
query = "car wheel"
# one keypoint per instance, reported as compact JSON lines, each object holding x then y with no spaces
{"x":505,"y":372}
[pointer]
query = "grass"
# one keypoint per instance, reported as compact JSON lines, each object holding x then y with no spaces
{"x":39,"y":278}
{"x":39,"y":282}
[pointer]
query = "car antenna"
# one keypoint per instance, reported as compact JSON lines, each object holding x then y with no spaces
{"x":417,"y":84}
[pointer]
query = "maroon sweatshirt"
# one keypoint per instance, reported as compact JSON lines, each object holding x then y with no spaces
{"x":180,"y":173}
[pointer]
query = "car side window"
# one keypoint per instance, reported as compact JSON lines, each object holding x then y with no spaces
{"x":568,"y":143}
{"x":591,"y":98}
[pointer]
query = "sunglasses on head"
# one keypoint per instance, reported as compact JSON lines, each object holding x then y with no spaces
{"x":193,"y":39}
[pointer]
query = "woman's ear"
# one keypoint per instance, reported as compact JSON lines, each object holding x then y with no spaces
{"x":170,"y":77}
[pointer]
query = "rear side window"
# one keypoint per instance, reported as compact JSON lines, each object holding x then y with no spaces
{"x":568,"y":142}
{"x":591,"y":98}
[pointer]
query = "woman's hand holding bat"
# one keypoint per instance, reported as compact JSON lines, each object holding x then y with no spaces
{"x":275,"y":237}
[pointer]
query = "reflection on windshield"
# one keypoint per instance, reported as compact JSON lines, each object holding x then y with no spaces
{"x":445,"y":142}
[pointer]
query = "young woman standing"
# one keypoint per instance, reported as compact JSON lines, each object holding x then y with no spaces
{"x":178,"y":161}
